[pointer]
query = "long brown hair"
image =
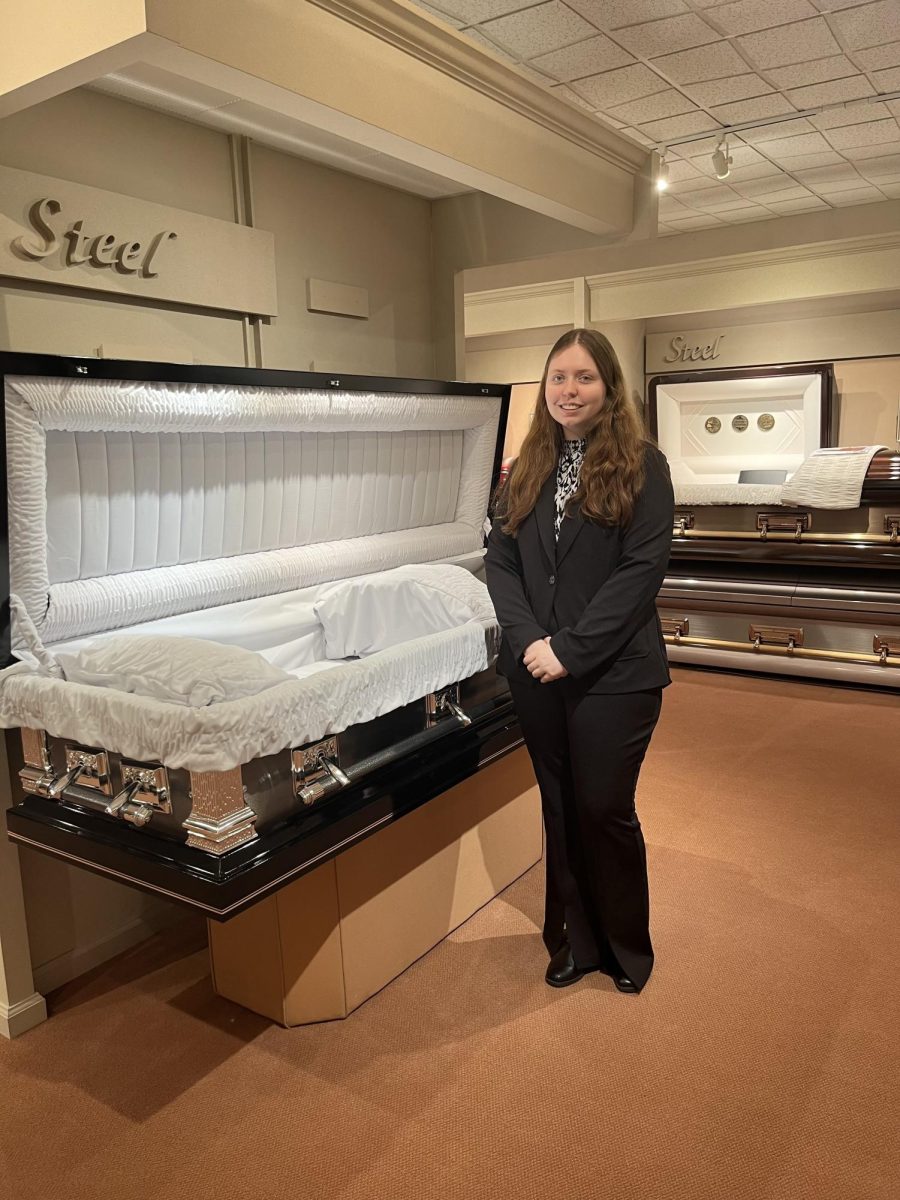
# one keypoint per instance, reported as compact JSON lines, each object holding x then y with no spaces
{"x":613,"y":468}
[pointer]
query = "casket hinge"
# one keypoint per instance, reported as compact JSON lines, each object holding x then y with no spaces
{"x":675,"y":627}
{"x":442,"y":704}
{"x":892,"y":528}
{"x":314,"y":769}
{"x":787,"y":637}
{"x":796,"y":523}
{"x":886,"y":648}
{"x":683,"y":522}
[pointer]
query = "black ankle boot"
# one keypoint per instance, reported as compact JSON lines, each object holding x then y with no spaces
{"x":563,"y":970}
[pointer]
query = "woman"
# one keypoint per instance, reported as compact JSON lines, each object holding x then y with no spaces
{"x":577,"y":553}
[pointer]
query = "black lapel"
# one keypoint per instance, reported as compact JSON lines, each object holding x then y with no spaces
{"x":572,"y":525}
{"x":545,"y":514}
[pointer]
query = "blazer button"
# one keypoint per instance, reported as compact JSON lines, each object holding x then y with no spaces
{"x":552,"y":580}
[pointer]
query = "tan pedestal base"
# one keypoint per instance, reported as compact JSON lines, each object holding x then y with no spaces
{"x":322,"y":945}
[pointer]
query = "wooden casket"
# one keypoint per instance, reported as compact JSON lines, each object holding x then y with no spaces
{"x":248,"y":628}
{"x":785,"y":548}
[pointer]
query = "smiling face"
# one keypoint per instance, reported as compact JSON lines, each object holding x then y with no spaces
{"x":575,"y":391}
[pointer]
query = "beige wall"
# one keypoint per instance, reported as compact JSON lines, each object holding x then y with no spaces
{"x":337,"y":227}
{"x":326,"y":224}
{"x":472,"y":231}
{"x":869,"y":405}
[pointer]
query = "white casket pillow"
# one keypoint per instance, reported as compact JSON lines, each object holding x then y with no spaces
{"x":374,"y":612}
{"x":181,"y":670}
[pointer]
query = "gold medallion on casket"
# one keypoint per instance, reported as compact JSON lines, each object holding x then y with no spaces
{"x":713,"y":424}
{"x":766,"y":422}
{"x":739,"y":423}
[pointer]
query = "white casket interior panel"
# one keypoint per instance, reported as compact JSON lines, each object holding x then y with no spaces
{"x":247,"y":624}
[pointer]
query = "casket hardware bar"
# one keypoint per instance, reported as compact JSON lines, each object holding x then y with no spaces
{"x":796,"y":523}
{"x":444,"y":703}
{"x":892,"y":528}
{"x":315,"y":766}
{"x":683,"y":522}
{"x":675,"y":627}
{"x":885,"y":646}
{"x":891,"y":659}
{"x":776,"y":635}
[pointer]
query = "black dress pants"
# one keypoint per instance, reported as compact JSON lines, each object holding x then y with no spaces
{"x":587,"y":752}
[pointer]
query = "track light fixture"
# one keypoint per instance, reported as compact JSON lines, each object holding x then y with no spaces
{"x":662,"y":173}
{"x":721,"y":159}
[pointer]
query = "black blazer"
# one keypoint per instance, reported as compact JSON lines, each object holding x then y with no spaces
{"x":594,"y":590}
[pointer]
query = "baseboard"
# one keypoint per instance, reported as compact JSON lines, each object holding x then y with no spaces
{"x":18,"y":1018}
{"x":81,"y":959}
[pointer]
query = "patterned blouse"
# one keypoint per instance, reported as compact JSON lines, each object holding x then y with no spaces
{"x":567,"y":473}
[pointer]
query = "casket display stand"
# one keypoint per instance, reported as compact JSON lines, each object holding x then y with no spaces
{"x":249,"y":636}
{"x":785,"y":549}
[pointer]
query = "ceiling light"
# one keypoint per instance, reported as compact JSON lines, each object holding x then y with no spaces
{"x":662,"y":173}
{"x":721,"y":160}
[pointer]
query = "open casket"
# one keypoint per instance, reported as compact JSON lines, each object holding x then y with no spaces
{"x":785,"y":549}
{"x":246,"y":615}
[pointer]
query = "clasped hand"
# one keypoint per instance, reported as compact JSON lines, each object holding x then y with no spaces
{"x":543,"y":663}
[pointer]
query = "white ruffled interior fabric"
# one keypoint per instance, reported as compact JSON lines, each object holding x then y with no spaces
{"x":316,"y":697}
{"x":832,"y":477}
{"x":133,"y":501}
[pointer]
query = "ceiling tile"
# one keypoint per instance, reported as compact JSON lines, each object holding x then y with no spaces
{"x":868,"y":25}
{"x":819,"y":71}
{"x":831,"y":93}
{"x":781,"y":186}
{"x":652,"y":108}
{"x":571,"y":97}
{"x":583,"y":59}
{"x":640,"y":136}
{"x":870,"y":195}
{"x":475,"y":35}
{"x":790,"y":147}
{"x":891,"y":190}
{"x":698,"y":184}
{"x":747,"y":16}
{"x":768,"y":133}
{"x":612,"y":14}
{"x":470,"y":12}
{"x":887,"y":167}
{"x":789,"y":43}
{"x":893,"y":106}
{"x":859,"y":153}
{"x":724,"y":91}
{"x":669,"y":206}
{"x":887,"y":81}
{"x":825,"y":158}
{"x":872,"y":133}
{"x":616,"y":87}
{"x":672,"y":33}
{"x":828,"y":188}
{"x":693,"y":122}
{"x":796,"y":206}
{"x":750,"y":110}
{"x":755,"y":213}
{"x":834,"y":5}
{"x":758,"y":170}
{"x":838,"y":177}
{"x":701,"y":221}
{"x":852,"y":114}
{"x":680,"y":170}
{"x":538,"y":30}
{"x":711,"y":62}
{"x":443,"y":16}
{"x":720,"y":201}
{"x":879,"y":56}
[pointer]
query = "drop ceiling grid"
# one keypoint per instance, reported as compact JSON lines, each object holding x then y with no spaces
{"x":671,"y":68}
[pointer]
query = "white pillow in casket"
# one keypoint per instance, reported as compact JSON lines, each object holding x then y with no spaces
{"x":374,"y":612}
{"x":181,"y":670}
